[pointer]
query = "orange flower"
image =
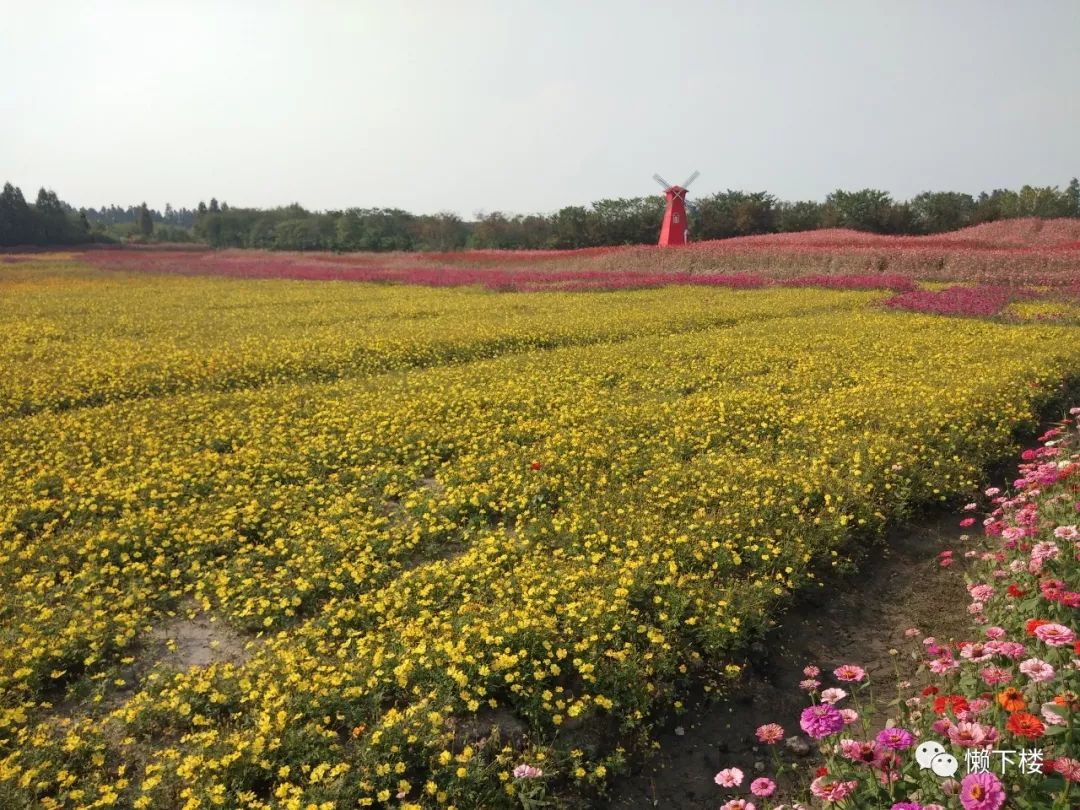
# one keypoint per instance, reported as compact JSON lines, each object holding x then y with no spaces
{"x":1069,"y":699}
{"x":1027,"y":725}
{"x":1011,"y":699}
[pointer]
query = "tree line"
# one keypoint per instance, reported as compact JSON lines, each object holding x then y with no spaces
{"x":604,"y":222}
{"x":51,"y":221}
{"x":623,"y":221}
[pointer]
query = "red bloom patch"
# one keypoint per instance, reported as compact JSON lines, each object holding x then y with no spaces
{"x":1027,"y":725}
{"x":1035,"y":624}
{"x":950,"y":703}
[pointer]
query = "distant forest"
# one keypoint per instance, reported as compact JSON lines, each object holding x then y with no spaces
{"x":51,"y":221}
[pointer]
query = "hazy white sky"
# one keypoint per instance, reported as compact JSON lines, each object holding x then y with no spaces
{"x":528,"y":106}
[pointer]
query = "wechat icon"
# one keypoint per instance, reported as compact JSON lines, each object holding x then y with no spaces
{"x":932,"y":756}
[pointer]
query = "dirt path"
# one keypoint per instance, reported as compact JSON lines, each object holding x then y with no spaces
{"x":855,"y":619}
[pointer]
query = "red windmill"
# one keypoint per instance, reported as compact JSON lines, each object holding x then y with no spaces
{"x":674,"y":231}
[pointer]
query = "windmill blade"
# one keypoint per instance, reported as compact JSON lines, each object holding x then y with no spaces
{"x":661,"y":181}
{"x":691,"y":179}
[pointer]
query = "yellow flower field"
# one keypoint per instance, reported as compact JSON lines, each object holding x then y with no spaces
{"x":442,"y":531}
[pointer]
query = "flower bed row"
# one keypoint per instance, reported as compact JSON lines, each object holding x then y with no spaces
{"x":997,"y":723}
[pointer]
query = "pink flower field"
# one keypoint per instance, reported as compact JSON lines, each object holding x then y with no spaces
{"x":994,"y":719}
{"x":1014,"y":253}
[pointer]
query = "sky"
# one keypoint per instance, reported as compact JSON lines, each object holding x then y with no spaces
{"x":529,"y":106}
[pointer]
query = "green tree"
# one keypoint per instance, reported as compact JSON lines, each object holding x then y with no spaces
{"x":937,"y":211}
{"x":866,"y":210}
{"x":571,"y":228}
{"x":1042,"y":201}
{"x":146,"y":222}
{"x":16,"y":218}
{"x":805,"y":215}
{"x":51,"y":220}
{"x":494,"y":230}
{"x":734,"y":213}
{"x":1072,"y":197}
{"x":631,"y":221}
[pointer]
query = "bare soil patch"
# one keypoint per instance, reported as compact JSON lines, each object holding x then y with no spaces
{"x":855,"y":619}
{"x":193,"y":638}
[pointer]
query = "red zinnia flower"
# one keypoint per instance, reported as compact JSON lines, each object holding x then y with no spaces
{"x":953,"y":703}
{"x":1035,"y":624}
{"x":1015,"y":592}
{"x":1027,"y":725}
{"x":930,"y":690}
{"x":536,"y":465}
{"x":821,"y":772}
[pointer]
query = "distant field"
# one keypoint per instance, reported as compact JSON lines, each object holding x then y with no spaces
{"x":1024,"y":252}
{"x":273,"y":543}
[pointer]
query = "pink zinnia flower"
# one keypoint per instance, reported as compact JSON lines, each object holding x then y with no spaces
{"x":1037,"y":670}
{"x":833,"y":695}
{"x":972,"y":735}
{"x":942,"y":725}
{"x":1045,"y":551}
{"x":832,"y":791}
{"x":770,"y":733}
{"x":1012,"y":533}
{"x":995,"y":676}
{"x":981,"y":791}
{"x":821,"y":721}
{"x":1068,"y":768}
{"x":1066,"y":532}
{"x":980,"y":593}
{"x":850,"y":716}
{"x":895,"y":738}
{"x":763,"y":787}
{"x":1055,"y":635}
{"x":738,"y":804}
{"x":810,"y":671}
{"x":1051,"y":717}
{"x":995,"y":633}
{"x":527,"y":772}
{"x":1010,"y":649}
{"x":809,"y":685}
{"x":729,"y":778}
{"x":849,"y":673}
{"x":976,"y":652}
{"x":939,"y":666}
{"x":864,"y":752}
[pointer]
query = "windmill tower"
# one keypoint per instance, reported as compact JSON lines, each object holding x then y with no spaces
{"x":674,"y":230}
